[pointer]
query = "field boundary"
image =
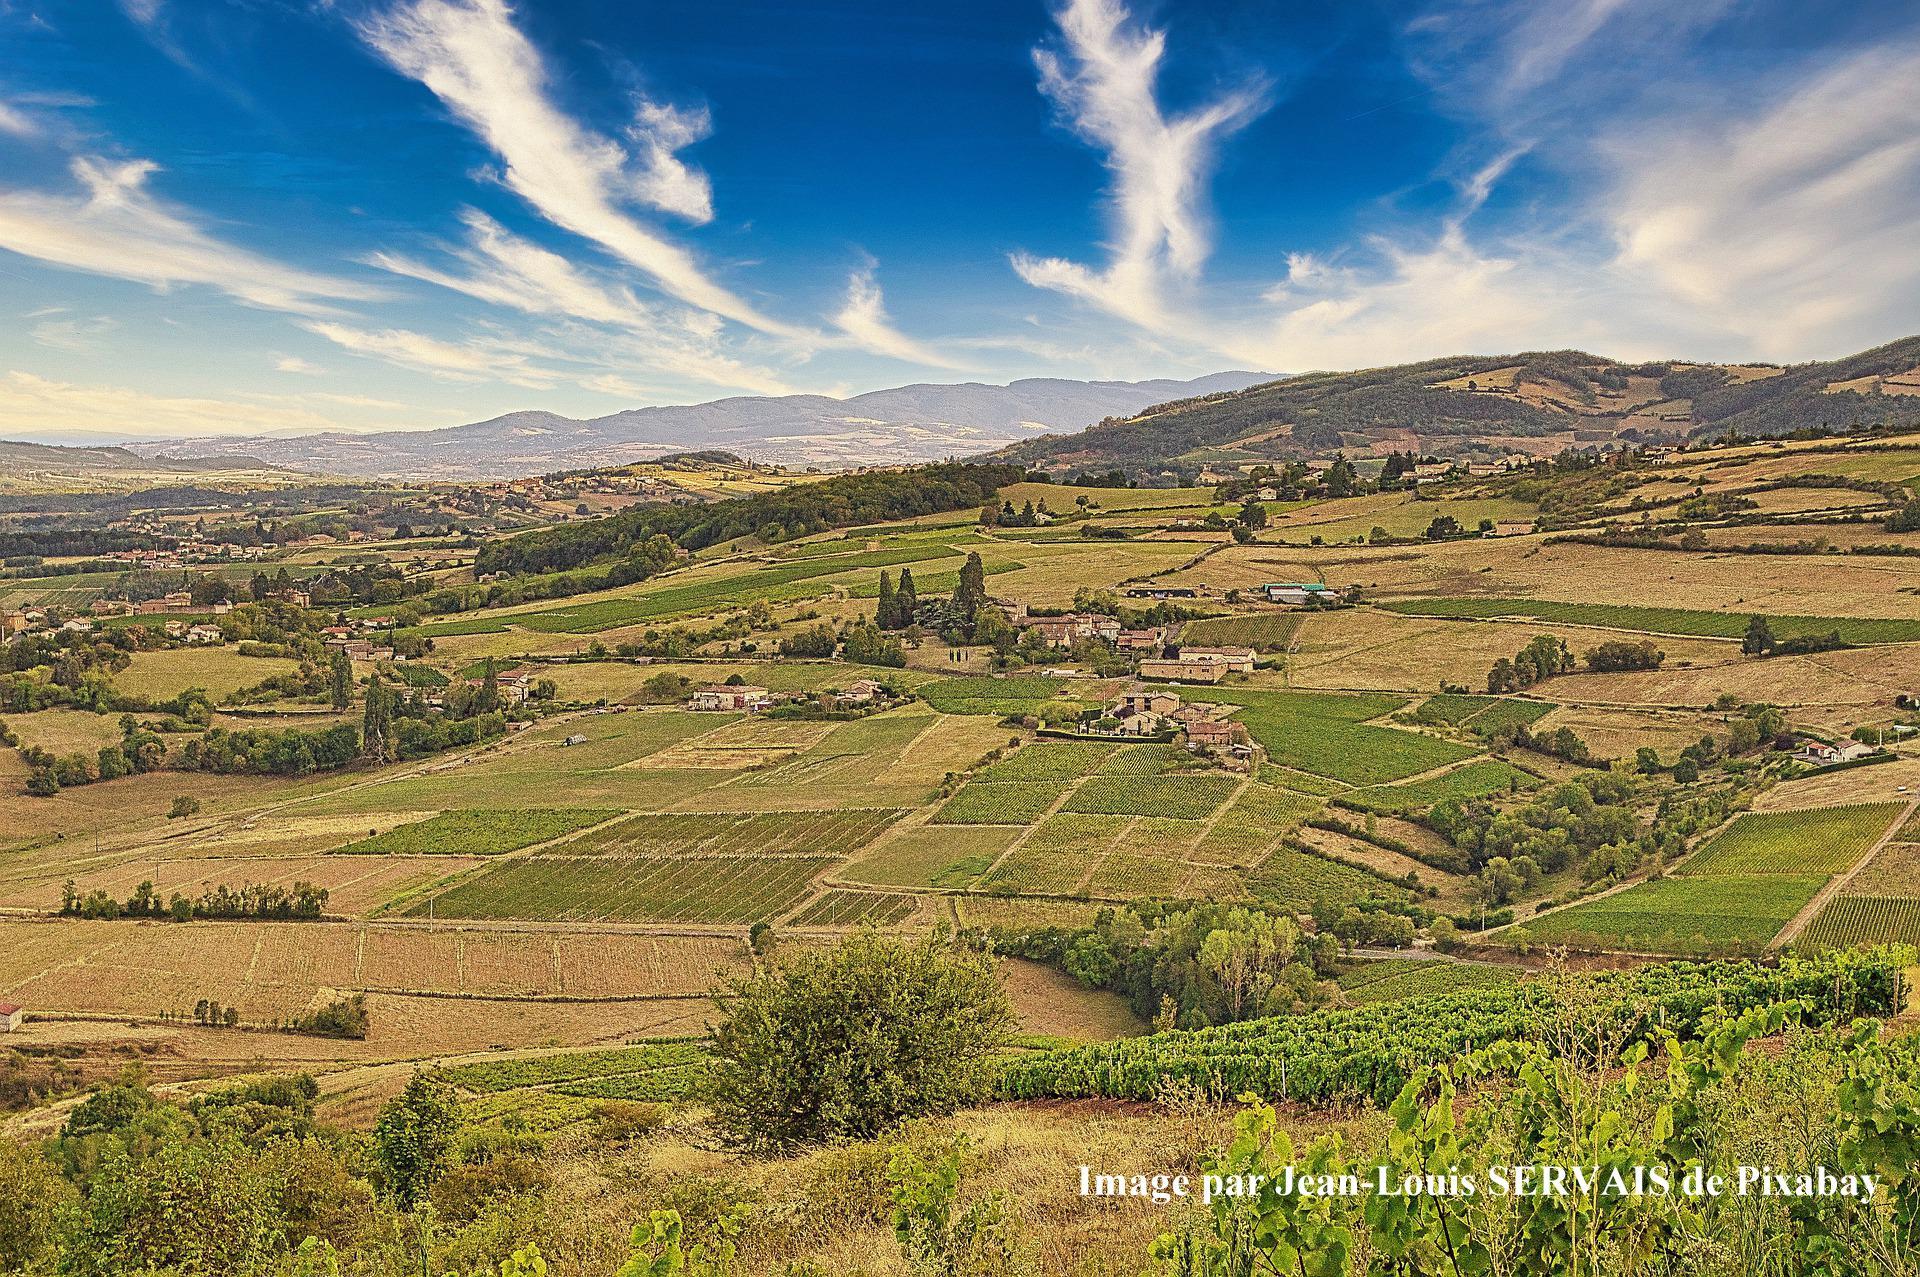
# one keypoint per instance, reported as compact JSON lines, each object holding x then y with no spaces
{"x":1836,"y":884}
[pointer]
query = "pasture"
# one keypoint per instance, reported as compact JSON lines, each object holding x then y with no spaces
{"x":220,"y":671}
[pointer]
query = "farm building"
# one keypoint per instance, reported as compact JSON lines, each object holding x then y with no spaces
{"x":204,"y":634}
{"x":1140,"y":640}
{"x":859,"y":692}
{"x":1163,"y":592}
{"x":1152,"y":701}
{"x":1061,"y":631}
{"x":1236,"y":660}
{"x":11,"y":1017}
{"x":1181,"y":670}
{"x":735,"y":699}
{"x":1210,"y":733}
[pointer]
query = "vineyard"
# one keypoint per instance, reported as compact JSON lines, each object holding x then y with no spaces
{"x":932,"y":856}
{"x":663,"y":1072}
{"x":1327,"y":735}
{"x":1006,"y":802}
{"x":1819,"y":840}
{"x":1473,"y":780}
{"x":724,"y":833}
{"x":1296,"y":880}
{"x":1394,"y":978}
{"x":1369,"y":1052}
{"x":1180,"y":797}
{"x":853,"y":908}
{"x":1021,"y":694}
{"x":1265,"y":632}
{"x":478,"y":832}
{"x":1848,"y":921}
{"x":1049,"y":760}
{"x":1698,"y":915}
{"x":1661,"y":620}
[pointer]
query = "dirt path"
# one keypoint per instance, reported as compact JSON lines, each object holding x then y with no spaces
{"x":1811,"y":910}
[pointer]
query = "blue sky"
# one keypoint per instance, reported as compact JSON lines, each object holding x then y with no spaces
{"x":224,"y":216}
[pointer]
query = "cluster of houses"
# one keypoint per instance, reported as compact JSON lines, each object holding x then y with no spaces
{"x":354,"y":638}
{"x":1198,"y":664}
{"x":171,"y":603}
{"x":1820,"y":754}
{"x":1155,"y":712}
{"x":743,"y":698}
{"x":30,"y":619}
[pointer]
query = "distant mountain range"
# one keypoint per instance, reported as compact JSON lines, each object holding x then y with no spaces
{"x":1536,"y":403}
{"x":906,"y":424}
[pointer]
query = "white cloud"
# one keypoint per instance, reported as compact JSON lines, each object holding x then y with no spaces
{"x":482,"y":359}
{"x":864,"y":318}
{"x":30,"y":404}
{"x":16,"y":122}
{"x":661,"y":177}
{"x":504,"y":269}
{"x":1105,"y":87}
{"x":76,"y":335}
{"x":470,"y":55}
{"x":295,"y":364}
{"x":113,"y":225}
{"x":1793,"y":221}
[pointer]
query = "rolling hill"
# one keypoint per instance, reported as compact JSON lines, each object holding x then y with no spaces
{"x":903,"y":424}
{"x":1489,"y":406}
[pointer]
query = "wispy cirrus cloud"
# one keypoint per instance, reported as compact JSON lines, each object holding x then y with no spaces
{"x":473,"y":359}
{"x":864,"y":319}
{"x":1103,"y":79}
{"x":112,"y":224}
{"x":472,"y":57}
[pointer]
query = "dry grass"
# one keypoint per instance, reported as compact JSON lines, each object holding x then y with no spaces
{"x":1617,"y":733}
{"x":66,"y":731}
{"x":1371,"y":649}
{"x":219,"y":670}
{"x":1893,"y":871}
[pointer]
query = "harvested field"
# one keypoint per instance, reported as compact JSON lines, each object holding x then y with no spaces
{"x":353,"y":886}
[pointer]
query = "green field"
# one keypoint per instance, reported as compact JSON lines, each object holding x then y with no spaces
{"x":1020,"y":694}
{"x":1473,"y":780}
{"x":1819,"y":840}
{"x":782,"y":583}
{"x":478,"y":832}
{"x":220,"y":671}
{"x":1049,"y":760}
{"x":736,"y":889}
{"x":1325,"y":734}
{"x":546,"y":1070}
{"x":1848,"y":921}
{"x":1700,"y":915}
{"x":1661,"y":620}
{"x":1253,"y":826}
{"x":933,"y":856}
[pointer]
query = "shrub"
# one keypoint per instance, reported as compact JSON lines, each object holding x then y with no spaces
{"x":847,"y":1042}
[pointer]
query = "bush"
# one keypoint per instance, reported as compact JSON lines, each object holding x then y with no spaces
{"x":847,"y":1042}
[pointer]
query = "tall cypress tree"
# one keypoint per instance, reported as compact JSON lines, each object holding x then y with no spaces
{"x":972,"y":590}
{"x":885,"y":611}
{"x":376,"y":729}
{"x":341,"y":680}
{"x":905,"y":601}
